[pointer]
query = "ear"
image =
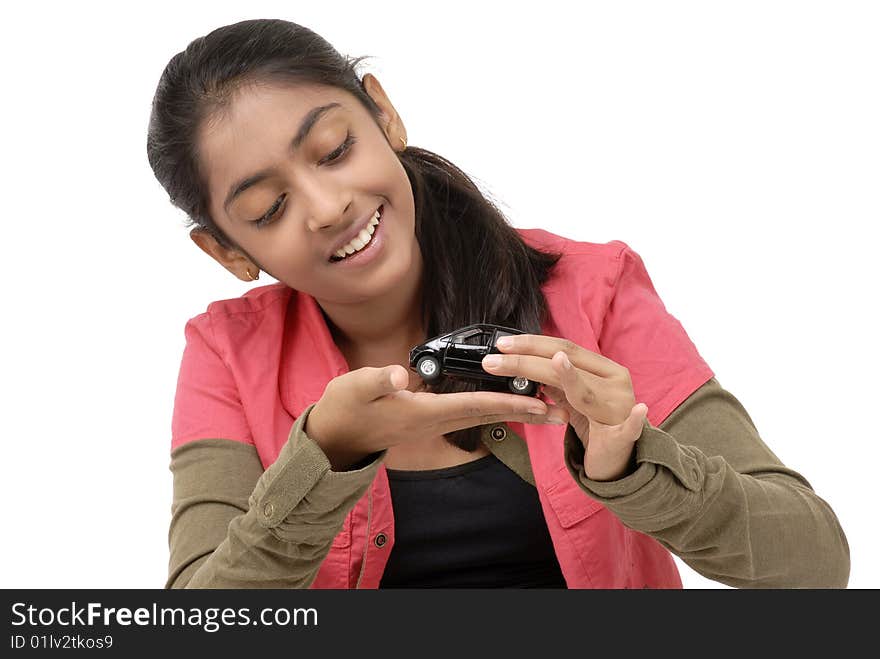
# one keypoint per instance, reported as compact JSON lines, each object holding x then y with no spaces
{"x":391,"y":121}
{"x":231,"y":259}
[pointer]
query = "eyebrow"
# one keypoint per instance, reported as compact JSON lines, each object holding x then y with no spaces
{"x":307,"y":124}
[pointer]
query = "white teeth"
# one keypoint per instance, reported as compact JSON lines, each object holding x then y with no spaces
{"x":360,"y":240}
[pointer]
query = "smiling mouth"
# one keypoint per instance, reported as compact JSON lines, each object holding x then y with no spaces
{"x":361,"y":241}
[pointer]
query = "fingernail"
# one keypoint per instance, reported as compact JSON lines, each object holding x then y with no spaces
{"x":565,"y":362}
{"x":555,"y":421}
{"x":504,"y":342}
{"x":492,"y":361}
{"x":536,"y":410}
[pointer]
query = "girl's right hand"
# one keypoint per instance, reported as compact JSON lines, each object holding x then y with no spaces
{"x":369,"y":409}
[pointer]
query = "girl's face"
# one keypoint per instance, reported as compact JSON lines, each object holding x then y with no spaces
{"x":292,"y":171}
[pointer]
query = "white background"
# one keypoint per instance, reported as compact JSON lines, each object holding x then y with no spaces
{"x":735,"y":146}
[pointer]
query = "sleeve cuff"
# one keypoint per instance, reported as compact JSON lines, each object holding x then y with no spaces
{"x":302,"y":470}
{"x":654,"y":447}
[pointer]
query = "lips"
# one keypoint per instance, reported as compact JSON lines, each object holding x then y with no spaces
{"x":349,"y":235}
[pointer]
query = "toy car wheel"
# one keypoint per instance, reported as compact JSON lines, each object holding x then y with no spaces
{"x":428,"y":367}
{"x":521,"y":385}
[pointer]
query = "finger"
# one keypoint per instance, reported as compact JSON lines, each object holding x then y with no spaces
{"x":558,"y":397}
{"x":540,"y":345}
{"x":378,"y":382}
{"x":634,"y":424}
{"x":537,"y":369}
{"x":478,"y":404}
{"x":559,"y":413}
{"x":555,"y":393}
{"x":576,"y":392}
{"x":631,"y":428}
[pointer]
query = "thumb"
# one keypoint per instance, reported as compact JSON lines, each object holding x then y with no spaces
{"x":390,"y":379}
{"x":371,"y":382}
{"x":632,"y":427}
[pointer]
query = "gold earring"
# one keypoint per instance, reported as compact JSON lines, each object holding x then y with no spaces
{"x":404,"y":143}
{"x":248,"y":271}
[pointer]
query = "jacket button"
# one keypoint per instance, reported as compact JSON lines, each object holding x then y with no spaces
{"x":499,"y":433}
{"x":268,"y":509}
{"x":380,"y":540}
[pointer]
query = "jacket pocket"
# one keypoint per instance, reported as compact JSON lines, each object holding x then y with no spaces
{"x":596,"y":549}
{"x":570,"y":503}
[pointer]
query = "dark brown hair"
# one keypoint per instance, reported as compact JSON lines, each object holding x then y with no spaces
{"x":477,"y":268}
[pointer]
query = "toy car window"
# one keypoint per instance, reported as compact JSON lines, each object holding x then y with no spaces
{"x":474,"y":337}
{"x":460,"y":338}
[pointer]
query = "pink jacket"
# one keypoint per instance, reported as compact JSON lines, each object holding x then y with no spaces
{"x":277,"y":355}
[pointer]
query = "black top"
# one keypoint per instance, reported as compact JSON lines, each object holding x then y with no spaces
{"x":475,"y":525}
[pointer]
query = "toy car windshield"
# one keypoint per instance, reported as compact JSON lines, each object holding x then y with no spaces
{"x":459,"y":355}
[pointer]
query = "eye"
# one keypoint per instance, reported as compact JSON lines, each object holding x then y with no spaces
{"x":269,"y":214}
{"x":340,"y":151}
{"x":336,"y":155}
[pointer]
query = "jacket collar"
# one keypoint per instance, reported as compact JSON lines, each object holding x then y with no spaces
{"x":309,"y":356}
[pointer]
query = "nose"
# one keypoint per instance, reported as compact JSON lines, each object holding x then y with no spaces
{"x":326,"y":205}
{"x":326,"y":219}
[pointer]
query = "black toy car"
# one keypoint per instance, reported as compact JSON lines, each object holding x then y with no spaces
{"x":459,"y":354}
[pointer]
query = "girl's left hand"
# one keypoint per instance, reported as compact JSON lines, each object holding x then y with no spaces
{"x":595,"y":391}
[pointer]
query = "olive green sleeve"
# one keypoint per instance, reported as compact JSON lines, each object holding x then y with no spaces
{"x":234,"y":525}
{"x":709,"y":490}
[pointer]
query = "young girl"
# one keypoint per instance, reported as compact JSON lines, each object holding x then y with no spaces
{"x":306,"y":453}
